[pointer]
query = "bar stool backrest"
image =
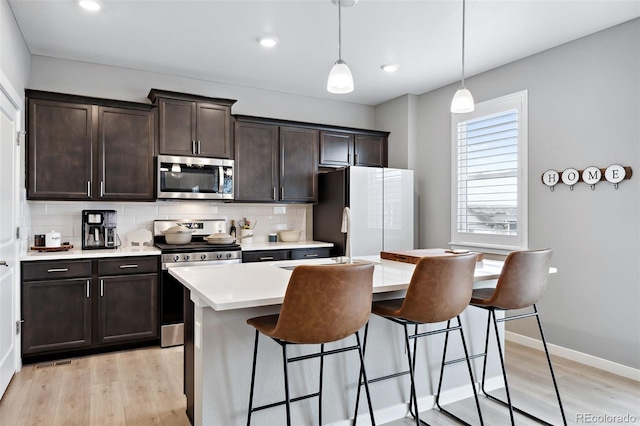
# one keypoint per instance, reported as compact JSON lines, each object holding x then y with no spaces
{"x":523,"y":280}
{"x":325,"y":303}
{"x":440,"y":288}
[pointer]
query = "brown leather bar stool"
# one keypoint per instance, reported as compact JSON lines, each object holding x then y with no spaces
{"x":521,"y":284}
{"x":440,"y":289}
{"x":322,"y":304}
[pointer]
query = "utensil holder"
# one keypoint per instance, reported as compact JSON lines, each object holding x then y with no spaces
{"x":247,"y":235}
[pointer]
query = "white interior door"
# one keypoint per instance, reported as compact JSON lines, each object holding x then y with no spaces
{"x":9,"y":126}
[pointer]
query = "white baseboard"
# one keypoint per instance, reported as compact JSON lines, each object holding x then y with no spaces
{"x":582,"y":358}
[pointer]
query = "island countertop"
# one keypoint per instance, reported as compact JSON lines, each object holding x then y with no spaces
{"x":250,"y":285}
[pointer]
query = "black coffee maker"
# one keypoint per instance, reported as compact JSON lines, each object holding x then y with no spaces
{"x":99,"y":229}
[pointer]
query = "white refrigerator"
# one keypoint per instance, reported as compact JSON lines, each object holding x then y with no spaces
{"x":381,"y":209}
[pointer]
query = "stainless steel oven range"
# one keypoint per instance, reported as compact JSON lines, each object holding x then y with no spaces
{"x":198,"y":252}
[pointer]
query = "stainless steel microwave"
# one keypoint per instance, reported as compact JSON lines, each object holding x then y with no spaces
{"x":195,"y":178}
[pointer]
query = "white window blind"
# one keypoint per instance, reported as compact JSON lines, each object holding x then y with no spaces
{"x":489,"y":186}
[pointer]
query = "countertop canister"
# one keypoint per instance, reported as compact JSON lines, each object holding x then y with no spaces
{"x":53,"y":239}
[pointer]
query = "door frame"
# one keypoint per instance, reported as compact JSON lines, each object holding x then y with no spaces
{"x":18,"y":101}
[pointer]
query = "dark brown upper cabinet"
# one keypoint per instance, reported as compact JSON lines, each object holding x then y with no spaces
{"x":81,"y":148}
{"x":275,"y":163}
{"x":191,"y":125}
{"x":342,"y":149}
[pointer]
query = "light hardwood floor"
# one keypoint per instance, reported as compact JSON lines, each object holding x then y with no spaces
{"x":144,"y":387}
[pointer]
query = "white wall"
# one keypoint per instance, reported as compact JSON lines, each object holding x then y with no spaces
{"x":584,"y":110}
{"x":82,"y":78}
{"x":15,"y":59}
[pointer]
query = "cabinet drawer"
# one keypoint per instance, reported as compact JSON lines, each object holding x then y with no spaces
{"x":128,"y":265}
{"x":309,"y":253}
{"x":32,"y":271}
{"x":264,"y":256}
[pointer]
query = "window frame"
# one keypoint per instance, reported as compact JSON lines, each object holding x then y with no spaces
{"x":492,"y":243}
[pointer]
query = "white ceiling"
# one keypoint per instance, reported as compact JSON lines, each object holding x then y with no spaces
{"x":215,"y":40}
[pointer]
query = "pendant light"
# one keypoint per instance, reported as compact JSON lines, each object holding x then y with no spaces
{"x":463,"y":100}
{"x":340,"y":78}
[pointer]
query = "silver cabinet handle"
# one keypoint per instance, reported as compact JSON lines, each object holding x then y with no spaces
{"x":128,"y":266}
{"x":282,"y":192}
{"x":88,"y":188}
{"x":311,"y":255}
{"x":193,"y":147}
{"x":58,"y":270}
{"x":3,"y":263}
{"x":267,"y":258}
{"x":101,"y":288}
{"x":87,"y":286}
{"x":198,"y":145}
{"x":101,"y":189}
{"x":274,"y":193}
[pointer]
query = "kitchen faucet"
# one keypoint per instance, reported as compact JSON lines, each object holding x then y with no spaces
{"x":345,"y":229}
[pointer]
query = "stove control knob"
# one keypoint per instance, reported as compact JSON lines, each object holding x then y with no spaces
{"x":219,"y":255}
{"x":176,"y":258}
{"x":228,"y":255}
{"x":203,"y":256}
{"x":186,"y":257}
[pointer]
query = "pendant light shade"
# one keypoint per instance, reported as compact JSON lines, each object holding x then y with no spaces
{"x":463,"y":100}
{"x":340,"y":79}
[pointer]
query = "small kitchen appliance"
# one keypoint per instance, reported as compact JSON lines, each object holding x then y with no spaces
{"x":99,"y":229}
{"x":201,"y":250}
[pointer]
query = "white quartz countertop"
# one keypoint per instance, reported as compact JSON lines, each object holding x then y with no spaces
{"x":248,"y":285}
{"x":281,"y":245}
{"x":78,"y":253}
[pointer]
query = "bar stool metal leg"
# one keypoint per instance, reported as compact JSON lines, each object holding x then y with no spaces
{"x":553,"y":376}
{"x":286,"y":382}
{"x":253,"y":377}
{"x":320,"y":388}
{"x":413,"y":397}
{"x":366,"y":383}
{"x":466,"y":358}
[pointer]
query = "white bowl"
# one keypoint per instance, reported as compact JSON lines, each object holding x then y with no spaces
{"x":289,"y":236}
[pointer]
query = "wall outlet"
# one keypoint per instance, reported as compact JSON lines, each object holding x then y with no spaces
{"x":269,"y":223}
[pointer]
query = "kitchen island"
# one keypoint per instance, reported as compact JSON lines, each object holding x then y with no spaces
{"x":225,"y":296}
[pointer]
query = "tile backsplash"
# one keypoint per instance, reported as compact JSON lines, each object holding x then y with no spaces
{"x":65,"y":217}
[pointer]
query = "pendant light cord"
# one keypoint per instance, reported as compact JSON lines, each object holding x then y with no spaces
{"x":339,"y":32}
{"x":463,"y":25}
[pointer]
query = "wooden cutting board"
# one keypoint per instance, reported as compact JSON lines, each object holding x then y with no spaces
{"x":412,"y":256}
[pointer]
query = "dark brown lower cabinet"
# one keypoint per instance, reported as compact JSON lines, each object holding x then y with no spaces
{"x":73,"y":307}
{"x":56,"y":314}
{"x":189,"y":353}
{"x":127,"y":308}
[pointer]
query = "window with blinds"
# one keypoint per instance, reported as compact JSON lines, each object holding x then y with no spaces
{"x":489,"y":195}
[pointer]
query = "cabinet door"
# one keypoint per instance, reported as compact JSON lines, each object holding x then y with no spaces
{"x":125,"y":154}
{"x":370,"y":151}
{"x":213,"y":133}
{"x":56,"y":314}
{"x":336,"y":149}
{"x":177,"y":127}
{"x":298,"y":164}
{"x":59,"y":150}
{"x":127,"y":308}
{"x":256,"y":162}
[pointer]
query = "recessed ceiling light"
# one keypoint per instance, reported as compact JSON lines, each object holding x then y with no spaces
{"x":268,"y":41}
{"x":90,"y":5}
{"x":390,"y":67}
